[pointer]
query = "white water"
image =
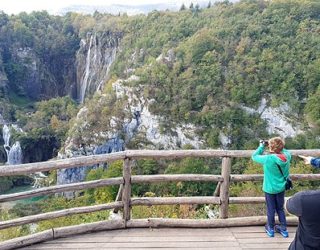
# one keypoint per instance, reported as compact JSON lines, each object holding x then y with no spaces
{"x":6,"y":137}
{"x":84,"y":80}
{"x":94,"y":60}
{"x":14,"y":152}
{"x":1,"y":119}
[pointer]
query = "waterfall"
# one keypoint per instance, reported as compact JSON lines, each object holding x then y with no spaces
{"x":84,"y":80}
{"x":14,"y":153}
{"x":96,"y":55}
{"x":6,"y":137}
{"x":1,"y":119}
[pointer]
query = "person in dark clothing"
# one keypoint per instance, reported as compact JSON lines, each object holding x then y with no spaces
{"x":306,"y":205}
{"x":311,"y":160}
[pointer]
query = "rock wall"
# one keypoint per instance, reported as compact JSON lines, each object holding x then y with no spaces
{"x":30,"y":75}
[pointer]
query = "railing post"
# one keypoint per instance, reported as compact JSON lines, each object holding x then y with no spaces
{"x":224,"y":188}
{"x":217,"y":191}
{"x":126,"y":195}
{"x":119,"y":197}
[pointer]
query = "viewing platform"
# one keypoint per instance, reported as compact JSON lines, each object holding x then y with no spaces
{"x":232,"y":238}
{"x":147,"y":233}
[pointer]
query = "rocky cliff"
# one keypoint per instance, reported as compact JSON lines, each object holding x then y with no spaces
{"x":140,"y":126}
{"x":28,"y":75}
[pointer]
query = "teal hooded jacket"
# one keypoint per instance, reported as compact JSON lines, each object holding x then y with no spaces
{"x":273,"y":180}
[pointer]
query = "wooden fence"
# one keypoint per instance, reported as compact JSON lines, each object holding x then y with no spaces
{"x":125,"y":201}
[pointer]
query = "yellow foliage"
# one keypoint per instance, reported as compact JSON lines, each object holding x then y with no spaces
{"x":54,"y":122}
{"x":11,"y":233}
{"x":14,"y":232}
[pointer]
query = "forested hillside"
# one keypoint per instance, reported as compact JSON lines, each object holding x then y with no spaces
{"x":206,"y":66}
{"x":237,"y":55}
{"x":215,"y":61}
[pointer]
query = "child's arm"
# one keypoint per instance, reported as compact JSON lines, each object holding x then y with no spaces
{"x":257,"y":155}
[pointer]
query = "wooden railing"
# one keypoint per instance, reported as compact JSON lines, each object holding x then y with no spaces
{"x":126,"y":201}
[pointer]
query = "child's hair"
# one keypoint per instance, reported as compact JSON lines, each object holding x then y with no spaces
{"x":276,"y":144}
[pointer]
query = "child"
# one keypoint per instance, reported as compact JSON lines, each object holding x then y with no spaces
{"x":274,"y":182}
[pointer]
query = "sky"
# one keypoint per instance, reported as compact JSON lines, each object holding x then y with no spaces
{"x":17,"y":6}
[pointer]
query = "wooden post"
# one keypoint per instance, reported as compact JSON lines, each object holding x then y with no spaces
{"x":119,"y":197}
{"x":126,"y":194}
{"x":224,"y":188}
{"x":217,"y":191}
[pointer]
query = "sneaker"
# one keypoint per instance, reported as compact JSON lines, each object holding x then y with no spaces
{"x":279,"y":230}
{"x":269,"y":231}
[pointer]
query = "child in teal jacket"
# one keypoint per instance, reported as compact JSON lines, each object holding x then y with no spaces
{"x":274,"y":182}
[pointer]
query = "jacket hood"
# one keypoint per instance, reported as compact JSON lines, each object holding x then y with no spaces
{"x":281,"y":159}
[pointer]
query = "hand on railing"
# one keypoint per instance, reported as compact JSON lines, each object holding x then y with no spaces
{"x":306,"y":159}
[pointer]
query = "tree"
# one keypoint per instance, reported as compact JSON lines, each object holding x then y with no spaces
{"x":190,"y":166}
{"x":183,"y":7}
{"x":312,"y":108}
{"x":197,"y":7}
{"x":106,"y":194}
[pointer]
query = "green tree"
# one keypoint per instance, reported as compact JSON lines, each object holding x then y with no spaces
{"x":183,"y":7}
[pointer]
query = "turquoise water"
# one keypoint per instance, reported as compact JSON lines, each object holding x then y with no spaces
{"x":18,"y":189}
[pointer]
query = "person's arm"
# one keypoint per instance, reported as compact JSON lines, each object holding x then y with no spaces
{"x":293,"y":205}
{"x":311,"y":160}
{"x":315,"y":162}
{"x":257,"y":155}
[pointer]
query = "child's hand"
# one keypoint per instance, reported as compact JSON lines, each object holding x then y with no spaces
{"x":263,"y":143}
{"x":306,"y":159}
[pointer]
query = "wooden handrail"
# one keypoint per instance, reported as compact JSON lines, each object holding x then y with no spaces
{"x":60,"y":164}
{"x":149,"y":201}
{"x":259,"y":177}
{"x":57,"y":214}
{"x":133,"y":154}
{"x":209,"y":153}
{"x":175,"y":177}
{"x":144,"y":179}
{"x":61,"y":188}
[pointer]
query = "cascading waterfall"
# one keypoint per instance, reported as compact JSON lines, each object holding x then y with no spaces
{"x":84,"y":80}
{"x":96,"y":54}
{"x":14,"y":152}
{"x":6,"y":137}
